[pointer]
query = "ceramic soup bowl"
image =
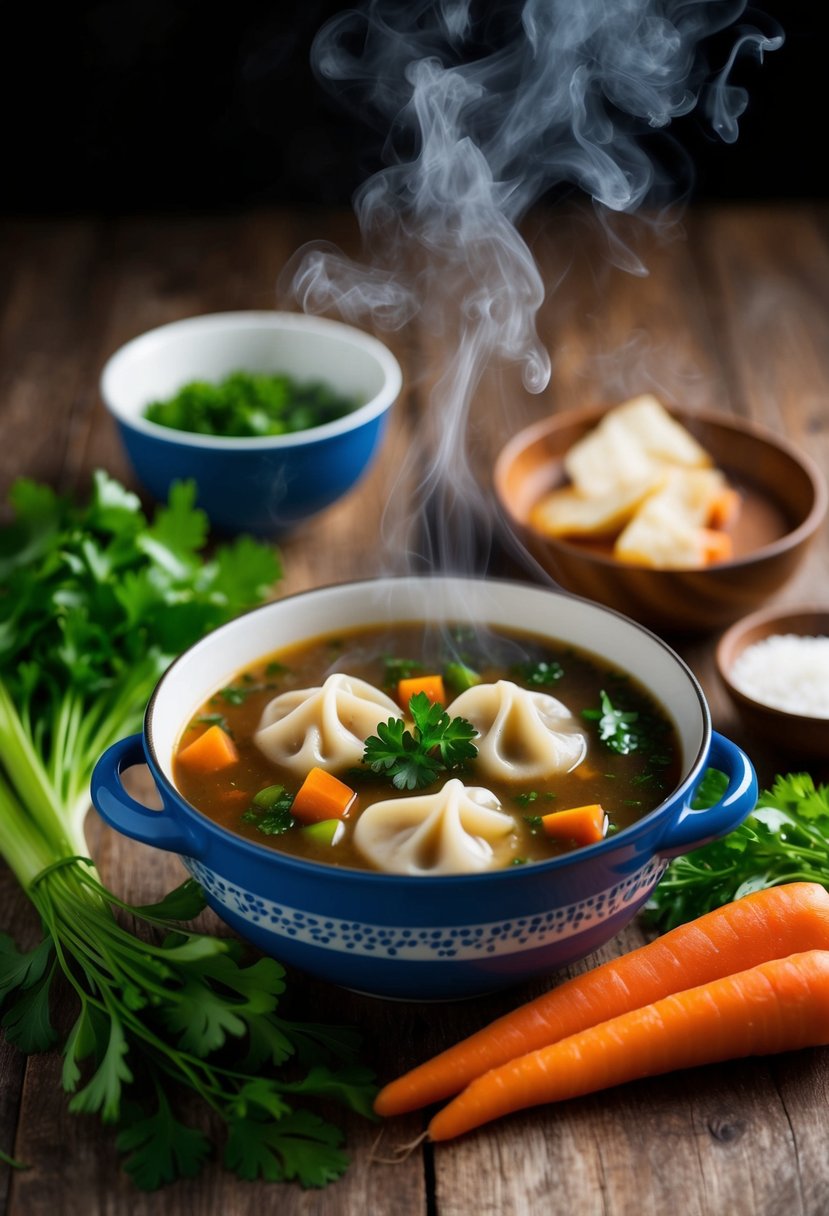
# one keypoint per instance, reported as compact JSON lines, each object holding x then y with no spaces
{"x":425,"y":937}
{"x":271,"y":484}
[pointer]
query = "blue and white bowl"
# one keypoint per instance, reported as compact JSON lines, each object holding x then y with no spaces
{"x":266,"y":485}
{"x":425,"y":937}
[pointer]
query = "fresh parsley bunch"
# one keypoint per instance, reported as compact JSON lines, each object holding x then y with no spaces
{"x":415,"y":758}
{"x":784,"y":839}
{"x":95,"y":601}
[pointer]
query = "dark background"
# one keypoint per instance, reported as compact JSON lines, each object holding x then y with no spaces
{"x":133,"y":105}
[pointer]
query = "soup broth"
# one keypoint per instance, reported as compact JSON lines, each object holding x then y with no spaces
{"x":630,"y":755}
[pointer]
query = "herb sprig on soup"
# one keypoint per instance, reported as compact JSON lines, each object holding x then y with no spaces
{"x":413,"y":750}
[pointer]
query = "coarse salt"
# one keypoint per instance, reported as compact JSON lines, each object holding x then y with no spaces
{"x":787,"y":671}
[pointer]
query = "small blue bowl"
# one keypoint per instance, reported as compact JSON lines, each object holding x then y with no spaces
{"x":415,"y":937}
{"x":265,"y":486}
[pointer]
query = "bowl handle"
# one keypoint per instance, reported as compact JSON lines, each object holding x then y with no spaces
{"x":124,"y":813}
{"x":695,"y":828}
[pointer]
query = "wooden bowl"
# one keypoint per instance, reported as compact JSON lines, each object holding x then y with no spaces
{"x":784,"y":501}
{"x":801,"y":736}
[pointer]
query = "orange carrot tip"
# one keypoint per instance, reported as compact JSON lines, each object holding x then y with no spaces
{"x":212,"y":751}
{"x":782,"y":1005}
{"x":724,"y":509}
{"x":581,"y":824}
{"x":764,"y":925}
{"x":716,"y":546}
{"x":321,"y":796}
{"x":432,"y":686}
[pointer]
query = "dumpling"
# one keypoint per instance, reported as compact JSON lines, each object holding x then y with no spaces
{"x":522,"y":735}
{"x":459,"y":830}
{"x":325,"y":726}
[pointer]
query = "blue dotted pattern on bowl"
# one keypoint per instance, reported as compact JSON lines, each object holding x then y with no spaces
{"x":424,"y":944}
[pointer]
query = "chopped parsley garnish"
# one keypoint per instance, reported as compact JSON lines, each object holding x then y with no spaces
{"x":399,"y":669}
{"x":215,"y":720}
{"x":237,"y":694}
{"x":533,"y":795}
{"x":616,"y":726}
{"x":540,"y":674}
{"x":645,"y":778}
{"x":415,"y":758}
{"x":246,"y":404}
{"x":527,"y":798}
{"x":270,"y":811}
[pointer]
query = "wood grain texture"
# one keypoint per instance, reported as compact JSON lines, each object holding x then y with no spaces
{"x":732,"y":314}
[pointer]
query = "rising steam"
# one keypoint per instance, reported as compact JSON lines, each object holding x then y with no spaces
{"x":473,"y":137}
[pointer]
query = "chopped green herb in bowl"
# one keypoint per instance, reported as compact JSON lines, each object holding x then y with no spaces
{"x":250,"y":404}
{"x":274,"y":415}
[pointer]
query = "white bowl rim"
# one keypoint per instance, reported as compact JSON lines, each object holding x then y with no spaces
{"x":692,"y":769}
{"x":242,"y":319}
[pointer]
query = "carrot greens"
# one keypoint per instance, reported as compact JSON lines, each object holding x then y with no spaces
{"x":95,"y":601}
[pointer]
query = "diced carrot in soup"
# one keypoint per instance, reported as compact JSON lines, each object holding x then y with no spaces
{"x":212,"y":751}
{"x":321,"y":796}
{"x":581,"y":824}
{"x":432,"y":686}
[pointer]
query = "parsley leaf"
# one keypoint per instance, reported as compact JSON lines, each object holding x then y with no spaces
{"x":297,"y":1147}
{"x":159,"y":1148}
{"x":348,"y":1086}
{"x":414,"y":759}
{"x":616,"y":729}
{"x":21,"y":970}
{"x":27,"y":1022}
{"x":103,"y":1091}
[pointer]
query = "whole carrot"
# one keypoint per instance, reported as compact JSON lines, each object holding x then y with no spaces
{"x":777,"y":1006}
{"x":765,"y":925}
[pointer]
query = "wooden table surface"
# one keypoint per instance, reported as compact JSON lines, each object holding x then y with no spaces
{"x":733,"y":315}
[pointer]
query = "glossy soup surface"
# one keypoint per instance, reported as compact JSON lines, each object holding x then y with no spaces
{"x":627,"y":786}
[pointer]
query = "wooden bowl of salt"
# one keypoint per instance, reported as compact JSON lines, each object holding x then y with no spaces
{"x":774,"y":665}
